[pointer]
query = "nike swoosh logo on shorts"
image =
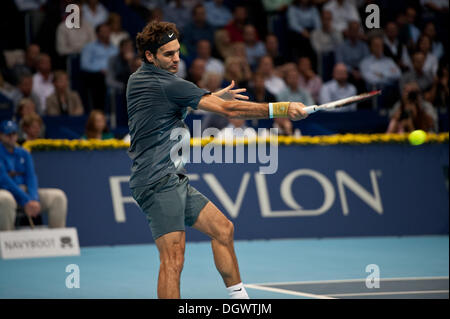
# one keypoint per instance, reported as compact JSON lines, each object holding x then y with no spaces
{"x":238,"y":289}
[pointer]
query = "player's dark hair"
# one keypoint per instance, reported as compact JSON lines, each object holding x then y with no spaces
{"x":153,"y":33}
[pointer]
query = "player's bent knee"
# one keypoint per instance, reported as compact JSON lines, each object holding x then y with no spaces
{"x":226,"y":233}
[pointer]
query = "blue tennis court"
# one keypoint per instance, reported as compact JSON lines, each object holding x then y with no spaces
{"x":409,"y":267}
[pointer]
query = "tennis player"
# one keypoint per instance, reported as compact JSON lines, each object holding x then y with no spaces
{"x":157,"y":102}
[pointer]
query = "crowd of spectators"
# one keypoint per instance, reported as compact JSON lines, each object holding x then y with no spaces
{"x":313,"y":51}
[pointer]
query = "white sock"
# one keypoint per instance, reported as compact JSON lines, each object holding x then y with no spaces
{"x":237,"y":291}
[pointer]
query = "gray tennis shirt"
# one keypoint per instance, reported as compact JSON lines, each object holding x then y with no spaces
{"x":157,"y":102}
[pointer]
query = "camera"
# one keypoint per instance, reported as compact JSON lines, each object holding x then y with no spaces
{"x":413,"y":96}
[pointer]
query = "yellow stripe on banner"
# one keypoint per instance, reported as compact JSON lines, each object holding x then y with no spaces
{"x":353,"y":139}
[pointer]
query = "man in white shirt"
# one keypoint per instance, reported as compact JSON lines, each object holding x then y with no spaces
{"x":213,"y":65}
{"x":377,"y":69}
{"x":43,"y":81}
{"x":273,"y":83}
{"x":338,"y":88}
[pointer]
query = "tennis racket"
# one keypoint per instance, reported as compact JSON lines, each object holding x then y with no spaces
{"x":342,"y":102}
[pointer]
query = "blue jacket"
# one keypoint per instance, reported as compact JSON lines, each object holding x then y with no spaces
{"x":17,"y":169}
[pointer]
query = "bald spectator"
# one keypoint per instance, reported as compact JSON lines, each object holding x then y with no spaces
{"x":338,"y":88}
{"x":43,"y":81}
{"x":254,"y":48}
{"x":212,"y":64}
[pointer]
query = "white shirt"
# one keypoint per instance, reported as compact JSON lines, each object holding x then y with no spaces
{"x":332,"y":91}
{"x":342,"y":15}
{"x":275,"y":85}
{"x":95,"y":18}
{"x":379,"y":71}
{"x":214,"y":65}
{"x":42,"y":88}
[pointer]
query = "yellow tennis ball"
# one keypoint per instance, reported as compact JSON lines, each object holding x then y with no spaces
{"x":417,"y":137}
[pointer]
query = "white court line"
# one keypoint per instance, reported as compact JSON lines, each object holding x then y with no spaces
{"x":288,"y":292}
{"x":349,"y":280}
{"x":391,"y":293}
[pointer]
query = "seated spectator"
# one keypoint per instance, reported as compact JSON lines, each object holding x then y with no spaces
{"x":198,"y":29}
{"x":254,"y":48}
{"x":96,"y":127}
{"x":217,"y":14}
{"x":196,"y":71}
{"x":213,"y":83}
{"x":235,"y":27}
{"x":309,"y":81}
{"x":325,"y":39}
{"x":257,"y":91}
{"x":293,"y":92}
{"x":177,"y":12}
{"x":212,"y":64}
{"x":94,"y":13}
{"x":343,"y":11}
{"x":274,"y":84}
{"x":302,"y":18}
{"x":43,"y":81}
{"x":19,"y":185}
{"x":63,"y":101}
{"x":29,"y":66}
{"x":237,"y":69}
{"x":25,"y":107}
{"x":393,"y":48}
{"x":438,"y":95}
{"x":94,"y":63}
{"x":31,"y":127}
{"x":436,"y":46}
{"x":272,"y":49}
{"x":412,"y":112}
{"x":413,"y":31}
{"x":376,"y":69}
{"x":351,"y":52}
{"x":24,"y":90}
{"x":338,"y":88}
{"x":119,"y":66}
{"x":144,"y":12}
{"x":117,"y":33}
{"x":71,"y":41}
{"x":431,"y":62}
{"x":222,"y":44}
{"x":417,"y":74}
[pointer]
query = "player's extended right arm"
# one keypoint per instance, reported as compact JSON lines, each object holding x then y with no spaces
{"x":250,"y":110}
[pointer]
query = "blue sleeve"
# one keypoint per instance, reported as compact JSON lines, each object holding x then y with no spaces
{"x":31,"y":178}
{"x":87,"y":62}
{"x":293,"y":21}
{"x":184,"y":93}
{"x":7,"y":183}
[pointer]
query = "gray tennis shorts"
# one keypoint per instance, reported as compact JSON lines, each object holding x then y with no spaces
{"x":170,"y":204}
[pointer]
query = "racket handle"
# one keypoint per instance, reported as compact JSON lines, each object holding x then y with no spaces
{"x":311,"y":109}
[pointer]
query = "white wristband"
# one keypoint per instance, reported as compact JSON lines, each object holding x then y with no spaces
{"x":271,"y":110}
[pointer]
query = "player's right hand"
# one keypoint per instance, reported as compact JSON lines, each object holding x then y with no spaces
{"x":296,"y":111}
